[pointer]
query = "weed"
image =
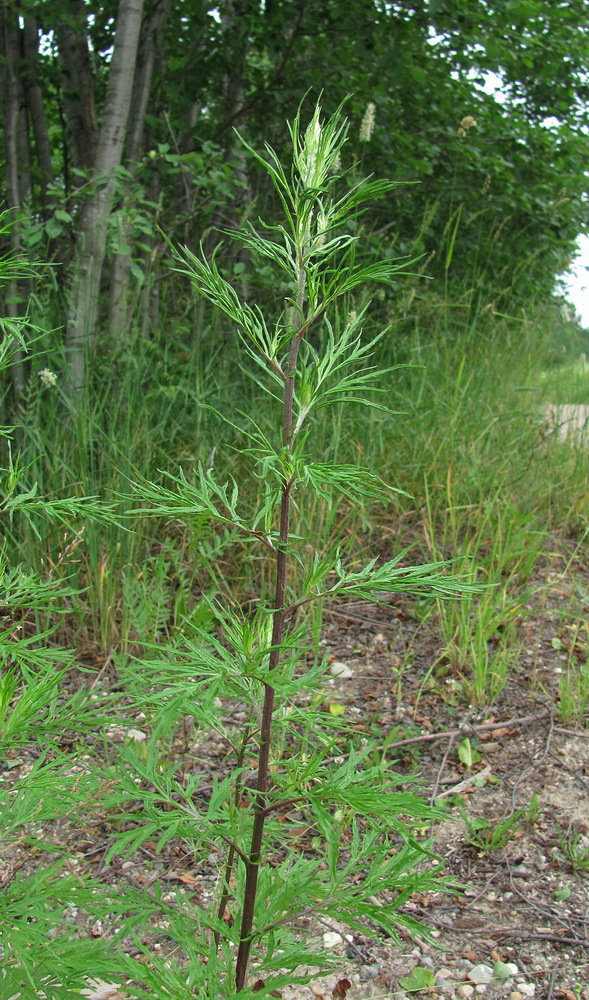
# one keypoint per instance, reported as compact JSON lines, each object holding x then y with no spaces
{"x":575,"y":846}
{"x":488,"y":835}
{"x":574,"y":682}
{"x":492,"y":835}
{"x":257,"y":655}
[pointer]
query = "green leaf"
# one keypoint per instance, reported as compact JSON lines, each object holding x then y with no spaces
{"x":419,"y":979}
{"x":53,"y":228}
{"x":417,"y":73}
{"x":501,"y":971}
{"x":467,"y":755}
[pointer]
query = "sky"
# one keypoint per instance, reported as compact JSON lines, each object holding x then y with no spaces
{"x":576,"y":281}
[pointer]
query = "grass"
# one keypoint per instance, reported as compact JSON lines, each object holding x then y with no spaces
{"x":488,"y":483}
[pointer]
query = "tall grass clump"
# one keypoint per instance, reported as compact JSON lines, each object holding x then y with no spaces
{"x":493,"y":487}
{"x":126,"y":423}
{"x":260,"y":655}
{"x":43,"y":781}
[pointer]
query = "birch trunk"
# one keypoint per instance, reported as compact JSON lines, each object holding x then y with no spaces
{"x":151,"y":43}
{"x":87,"y":268}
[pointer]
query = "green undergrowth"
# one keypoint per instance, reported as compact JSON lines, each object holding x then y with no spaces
{"x":489,"y":481}
{"x":489,"y":484}
{"x":485,"y":483}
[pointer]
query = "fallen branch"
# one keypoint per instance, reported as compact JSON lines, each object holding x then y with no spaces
{"x":526,"y":720}
{"x":465,"y":784}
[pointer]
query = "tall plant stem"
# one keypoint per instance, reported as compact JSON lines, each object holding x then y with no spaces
{"x":226,"y":892}
{"x":260,"y":808}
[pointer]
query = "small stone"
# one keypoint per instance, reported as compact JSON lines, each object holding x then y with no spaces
{"x":481,"y":988}
{"x":513,"y":969}
{"x":465,"y":991}
{"x":116,"y":733}
{"x":516,"y":995}
{"x":98,"y":990}
{"x":331,"y":939}
{"x":342,"y":670}
{"x":481,"y":974}
{"x":426,"y":960}
{"x":368,"y":972}
{"x":528,"y":989}
{"x":522,"y":871}
{"x":443,"y":974}
{"x":136,"y":734}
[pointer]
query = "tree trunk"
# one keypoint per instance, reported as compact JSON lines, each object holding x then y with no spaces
{"x":94,"y":220}
{"x":36,"y":108}
{"x":17,"y":155}
{"x":77,"y":83}
{"x":150,"y":49}
{"x":151,"y":43}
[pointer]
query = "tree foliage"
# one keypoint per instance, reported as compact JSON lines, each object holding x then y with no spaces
{"x":479,"y":107}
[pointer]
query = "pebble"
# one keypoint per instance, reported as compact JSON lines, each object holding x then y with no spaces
{"x":426,"y":960}
{"x":136,"y":734}
{"x":465,"y":991}
{"x":368,"y":972}
{"x":481,"y":974}
{"x":516,"y":995}
{"x":528,"y":989}
{"x":98,"y":990}
{"x":339,"y":669}
{"x":442,"y":975}
{"x":331,"y":939}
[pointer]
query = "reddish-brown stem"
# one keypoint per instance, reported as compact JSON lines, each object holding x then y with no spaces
{"x":281,"y":805}
{"x":261,"y":808}
{"x":233,"y":848}
{"x":252,"y":865}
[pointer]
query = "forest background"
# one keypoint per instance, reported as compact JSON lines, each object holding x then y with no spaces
{"x":128,"y":130}
{"x":100,"y":152}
